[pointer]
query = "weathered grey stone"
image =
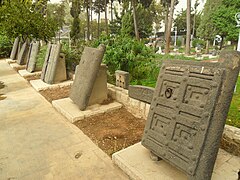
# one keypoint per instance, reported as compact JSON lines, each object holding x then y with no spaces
{"x":99,"y":91}
{"x":14,"y":51}
{"x":142,"y":93}
{"x":188,"y":112}
{"x":122,"y":79}
{"x":54,"y":68}
{"x":22,"y":56}
{"x":86,"y":76}
{"x":32,"y":56}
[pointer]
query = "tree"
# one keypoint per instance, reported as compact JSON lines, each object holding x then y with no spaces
{"x":75,"y":28}
{"x":188,"y":36}
{"x":144,"y":23}
{"x":225,"y":22}
{"x":98,"y":7}
{"x":207,"y":28}
{"x":22,"y":18}
{"x":168,"y":33}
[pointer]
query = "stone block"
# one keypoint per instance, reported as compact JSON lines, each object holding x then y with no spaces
{"x":17,"y":67}
{"x":112,"y":93}
{"x":22,"y":56}
{"x":14,"y":51}
{"x":188,"y":112}
{"x":71,"y":111}
{"x":32,"y":56}
{"x":231,"y":140}
{"x":124,"y":99}
{"x":86,"y":76}
{"x":99,"y":91}
{"x":54,"y":68}
{"x":136,"y":163}
{"x":122,"y":79}
{"x":142,"y":93}
{"x":24,"y":73}
{"x":147,"y":108}
{"x":39,"y":85}
{"x":9,"y":61}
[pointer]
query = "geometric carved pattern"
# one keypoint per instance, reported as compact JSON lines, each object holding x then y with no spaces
{"x":180,"y":113}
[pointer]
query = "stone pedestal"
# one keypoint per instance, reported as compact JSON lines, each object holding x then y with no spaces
{"x":122,"y":79}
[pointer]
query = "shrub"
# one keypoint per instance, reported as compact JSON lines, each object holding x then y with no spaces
{"x":127,"y":54}
{"x":41,"y":56}
{"x":198,"y":42}
{"x":5,"y":46}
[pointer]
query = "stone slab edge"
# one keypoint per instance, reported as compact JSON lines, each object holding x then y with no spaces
{"x":39,"y":85}
{"x":131,"y":172}
{"x":90,"y":111}
{"x":25,"y":73}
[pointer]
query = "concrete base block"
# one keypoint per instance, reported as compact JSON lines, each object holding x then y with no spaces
{"x":17,"y":66}
{"x":9,"y":61}
{"x":71,"y":111}
{"x":39,"y":85}
{"x":24,"y":73}
{"x":135,"y":161}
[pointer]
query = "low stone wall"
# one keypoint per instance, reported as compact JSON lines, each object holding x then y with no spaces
{"x":137,"y":108}
{"x":231,"y":140}
{"x":231,"y":135}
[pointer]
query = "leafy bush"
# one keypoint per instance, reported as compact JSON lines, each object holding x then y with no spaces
{"x":128,"y":54}
{"x":73,"y":54}
{"x":41,"y":56}
{"x":5,"y":46}
{"x":198,"y":42}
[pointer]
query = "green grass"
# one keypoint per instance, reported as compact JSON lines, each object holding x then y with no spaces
{"x":41,"y":56}
{"x":233,"y":118}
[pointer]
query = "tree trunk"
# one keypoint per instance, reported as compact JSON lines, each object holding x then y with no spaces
{"x":91,"y":19}
{"x":111,"y":10}
{"x":106,"y":19}
{"x":135,"y":20}
{"x":168,"y":33}
{"x":98,"y":31}
{"x":188,"y":36}
{"x":88,"y":23}
{"x":166,"y":22}
{"x":207,"y":47}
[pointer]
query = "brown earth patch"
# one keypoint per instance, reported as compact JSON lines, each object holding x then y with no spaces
{"x":52,"y":94}
{"x":113,"y":131}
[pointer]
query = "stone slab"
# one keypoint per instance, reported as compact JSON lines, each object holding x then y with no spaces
{"x":99,"y":91}
{"x":32,"y":56}
{"x":86,"y":75}
{"x":17,"y":66}
{"x":24,"y":73}
{"x":188,"y":112}
{"x":142,"y":93}
{"x":136,"y":163}
{"x":71,"y":111}
{"x":15,"y":47}
{"x":22,"y":56}
{"x":9,"y":61}
{"x":39,"y":85}
{"x":54,"y":68}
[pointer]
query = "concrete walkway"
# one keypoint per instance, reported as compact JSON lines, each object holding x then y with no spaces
{"x":36,"y":142}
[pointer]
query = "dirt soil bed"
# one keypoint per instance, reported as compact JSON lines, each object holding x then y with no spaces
{"x":113,"y":131}
{"x":52,"y":94}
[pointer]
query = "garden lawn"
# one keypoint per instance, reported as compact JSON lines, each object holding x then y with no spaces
{"x":234,"y":111}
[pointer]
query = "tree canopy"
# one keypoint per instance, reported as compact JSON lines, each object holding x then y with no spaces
{"x":27,"y":20}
